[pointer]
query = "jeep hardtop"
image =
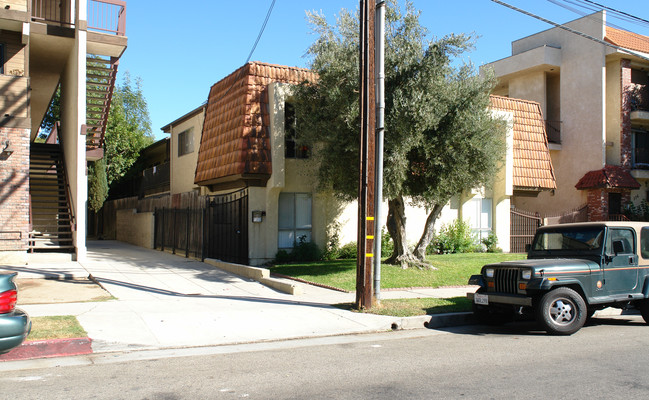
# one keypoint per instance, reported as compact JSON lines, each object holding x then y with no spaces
{"x":571,"y":271}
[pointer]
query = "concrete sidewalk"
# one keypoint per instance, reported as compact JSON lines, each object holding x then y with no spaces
{"x":167,"y":301}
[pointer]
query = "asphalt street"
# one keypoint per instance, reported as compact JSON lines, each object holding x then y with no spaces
{"x":607,"y":359}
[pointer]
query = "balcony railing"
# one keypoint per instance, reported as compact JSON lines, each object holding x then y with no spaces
{"x":638,"y":97}
{"x":107,"y":16}
{"x":553,"y":130}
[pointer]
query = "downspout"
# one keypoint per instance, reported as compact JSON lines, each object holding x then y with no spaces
{"x":380,"y":129}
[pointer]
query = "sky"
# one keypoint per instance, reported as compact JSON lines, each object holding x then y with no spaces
{"x":180,"y":49}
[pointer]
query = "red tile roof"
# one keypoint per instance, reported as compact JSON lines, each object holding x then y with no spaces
{"x":532,"y":164}
{"x":235,"y":143}
{"x":611,"y":176}
{"x":627,"y":40}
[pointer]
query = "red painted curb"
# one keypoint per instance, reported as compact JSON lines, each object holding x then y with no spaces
{"x":49,"y":348}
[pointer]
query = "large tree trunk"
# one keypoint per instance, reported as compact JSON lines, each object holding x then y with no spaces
{"x":429,"y":232}
{"x":396,"y":224}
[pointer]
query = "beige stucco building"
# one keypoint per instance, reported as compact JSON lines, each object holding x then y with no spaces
{"x":247,"y":146}
{"x":592,"y":91}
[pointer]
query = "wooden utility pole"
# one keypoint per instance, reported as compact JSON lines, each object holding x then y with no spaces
{"x":367,"y":158}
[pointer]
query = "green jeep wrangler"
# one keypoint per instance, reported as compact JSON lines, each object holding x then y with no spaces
{"x":571,"y":271}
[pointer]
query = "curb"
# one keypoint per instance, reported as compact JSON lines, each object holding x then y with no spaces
{"x":434,"y":321}
{"x":49,"y":348}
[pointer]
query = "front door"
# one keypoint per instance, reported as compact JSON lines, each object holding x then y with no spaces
{"x":621,"y":272}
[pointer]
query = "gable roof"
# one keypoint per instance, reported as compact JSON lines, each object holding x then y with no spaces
{"x":611,"y":176}
{"x":532,"y":164}
{"x":235,"y":144}
{"x":627,"y":40}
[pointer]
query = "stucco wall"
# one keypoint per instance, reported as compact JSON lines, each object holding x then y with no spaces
{"x":183,"y":167}
{"x":135,"y":228}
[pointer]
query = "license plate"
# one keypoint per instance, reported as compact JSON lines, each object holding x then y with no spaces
{"x":481,"y":299}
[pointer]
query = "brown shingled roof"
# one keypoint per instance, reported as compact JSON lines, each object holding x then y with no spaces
{"x":532,"y":164}
{"x":235,"y":144}
{"x":611,"y":176}
{"x":627,"y":40}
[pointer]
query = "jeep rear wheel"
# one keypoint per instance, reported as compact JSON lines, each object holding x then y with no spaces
{"x":561,"y":311}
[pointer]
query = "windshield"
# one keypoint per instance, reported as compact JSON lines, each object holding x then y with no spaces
{"x":569,"y":239}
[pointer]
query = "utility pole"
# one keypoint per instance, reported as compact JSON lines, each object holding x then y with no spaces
{"x":366,"y":221}
{"x":380,"y":129}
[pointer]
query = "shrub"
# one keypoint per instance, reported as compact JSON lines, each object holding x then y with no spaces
{"x":387,"y":245}
{"x":491,"y":243}
{"x":302,"y":251}
{"x":455,"y":238}
{"x":348,"y":251}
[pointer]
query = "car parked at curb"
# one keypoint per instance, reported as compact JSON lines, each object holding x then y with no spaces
{"x":571,"y":271}
{"x":15,"y":324}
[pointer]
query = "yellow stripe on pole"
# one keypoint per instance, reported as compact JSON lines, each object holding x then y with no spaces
{"x":370,"y":236}
{"x":370,"y":218}
{"x":369,"y":255}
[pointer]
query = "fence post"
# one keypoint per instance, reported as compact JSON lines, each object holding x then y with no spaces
{"x":162,"y":231}
{"x":204,"y":235}
{"x":187,"y":239}
{"x":173,"y":228}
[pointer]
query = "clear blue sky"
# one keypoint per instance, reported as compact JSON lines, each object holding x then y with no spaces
{"x":181,"y":48}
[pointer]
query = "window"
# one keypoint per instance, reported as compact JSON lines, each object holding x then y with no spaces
{"x":644,"y":242}
{"x":186,"y":142}
{"x":292,"y":149}
{"x":2,"y":58}
{"x":640,"y":148}
{"x":294,"y":219}
{"x":478,"y":212}
{"x":623,"y":235}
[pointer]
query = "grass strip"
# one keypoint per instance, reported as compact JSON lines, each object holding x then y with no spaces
{"x":452,"y":270}
{"x":414,"y":307}
{"x":56,"y":327}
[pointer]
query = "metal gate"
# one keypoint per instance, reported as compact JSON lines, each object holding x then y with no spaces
{"x":523,"y":228}
{"x":226,"y":227}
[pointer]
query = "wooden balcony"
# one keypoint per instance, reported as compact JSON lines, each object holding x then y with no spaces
{"x":104,"y":16}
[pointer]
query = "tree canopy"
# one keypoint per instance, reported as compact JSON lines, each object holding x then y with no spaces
{"x":440,"y":137}
{"x":128,"y":130}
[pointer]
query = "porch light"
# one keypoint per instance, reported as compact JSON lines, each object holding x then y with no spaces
{"x":258,"y":216}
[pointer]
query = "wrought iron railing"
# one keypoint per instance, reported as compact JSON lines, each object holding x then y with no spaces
{"x":553,"y":130}
{"x":108,"y":16}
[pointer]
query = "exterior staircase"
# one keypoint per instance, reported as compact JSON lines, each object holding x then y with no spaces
{"x":101,"y":73}
{"x":51,"y":219}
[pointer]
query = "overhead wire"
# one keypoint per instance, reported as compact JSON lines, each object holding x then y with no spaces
{"x":574,"y":31}
{"x":580,"y":3}
{"x":254,"y":47}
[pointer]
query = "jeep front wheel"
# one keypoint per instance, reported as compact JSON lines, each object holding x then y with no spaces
{"x":561,"y":311}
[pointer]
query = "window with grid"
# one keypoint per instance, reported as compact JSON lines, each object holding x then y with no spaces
{"x":294,"y":219}
{"x":186,"y":142}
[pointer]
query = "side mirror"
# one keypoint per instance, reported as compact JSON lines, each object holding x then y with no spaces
{"x":618,"y":247}
{"x":528,"y":247}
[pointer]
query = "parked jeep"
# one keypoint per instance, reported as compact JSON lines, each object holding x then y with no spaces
{"x":571,"y":271}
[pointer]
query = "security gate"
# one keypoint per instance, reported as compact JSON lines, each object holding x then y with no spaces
{"x":218,"y":230}
{"x":522,"y":229}
{"x":226,"y":227}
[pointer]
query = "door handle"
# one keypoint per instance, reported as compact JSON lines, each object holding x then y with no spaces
{"x":631,"y":260}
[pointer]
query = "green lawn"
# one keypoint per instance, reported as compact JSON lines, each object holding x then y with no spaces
{"x":452,"y":270}
{"x":413,"y":307}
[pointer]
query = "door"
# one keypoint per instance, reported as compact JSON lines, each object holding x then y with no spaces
{"x":621,"y":270}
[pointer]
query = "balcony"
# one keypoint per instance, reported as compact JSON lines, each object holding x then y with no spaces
{"x":553,"y":130}
{"x":104,"y":16}
{"x":637,"y":97}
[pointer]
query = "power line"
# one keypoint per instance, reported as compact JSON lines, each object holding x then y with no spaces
{"x":560,"y":26}
{"x":617,"y":11}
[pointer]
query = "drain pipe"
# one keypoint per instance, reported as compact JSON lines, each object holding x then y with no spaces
{"x":379,"y":38}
